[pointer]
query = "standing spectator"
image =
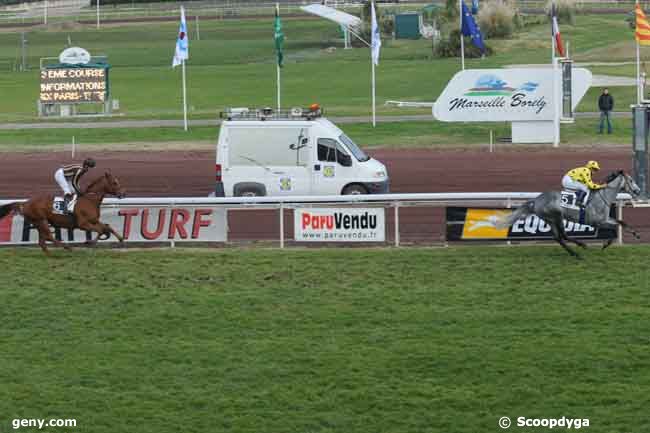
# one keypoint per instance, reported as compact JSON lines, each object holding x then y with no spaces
{"x":605,"y":105}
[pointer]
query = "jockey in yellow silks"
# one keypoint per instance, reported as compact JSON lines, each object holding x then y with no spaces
{"x":579,"y":180}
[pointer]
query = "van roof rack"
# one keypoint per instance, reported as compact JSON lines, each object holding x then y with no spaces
{"x":267,"y":113}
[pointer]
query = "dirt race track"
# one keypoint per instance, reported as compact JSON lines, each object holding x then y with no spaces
{"x":191,"y":173}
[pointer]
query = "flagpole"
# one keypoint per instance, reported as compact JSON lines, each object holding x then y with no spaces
{"x":552,"y":33}
{"x":278,"y":85}
{"x":184,"y":98}
{"x":556,"y":103}
{"x":638,"y":69}
{"x":278,"y":68}
{"x":638,"y":62}
{"x":638,"y":74}
{"x":374,"y":118}
{"x":556,"y":113}
{"x":462,"y":40}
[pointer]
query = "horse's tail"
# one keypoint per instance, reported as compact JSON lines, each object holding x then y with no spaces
{"x":522,"y":211}
{"x":8,"y":208}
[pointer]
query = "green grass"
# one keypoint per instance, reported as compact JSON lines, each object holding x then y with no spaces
{"x":390,"y":340}
{"x":624,"y":97}
{"x":386,"y":134}
{"x":48,"y":139}
{"x":233,"y":65}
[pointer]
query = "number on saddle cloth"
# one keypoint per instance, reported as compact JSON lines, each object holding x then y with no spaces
{"x":568,"y":199}
{"x":58,"y":205}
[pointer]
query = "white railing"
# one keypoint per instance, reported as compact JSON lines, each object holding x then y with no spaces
{"x":395,"y":201}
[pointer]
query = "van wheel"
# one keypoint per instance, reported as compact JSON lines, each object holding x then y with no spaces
{"x":355,"y":190}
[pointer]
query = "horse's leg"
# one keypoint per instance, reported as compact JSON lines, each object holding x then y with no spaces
{"x":608,"y":242}
{"x":612,"y":224}
{"x":566,"y":237}
{"x":628,"y":229}
{"x":45,"y":234}
{"x":100,"y":229}
{"x":557,"y":229}
{"x":575,"y":241}
{"x":41,"y":240}
{"x":110,"y":230}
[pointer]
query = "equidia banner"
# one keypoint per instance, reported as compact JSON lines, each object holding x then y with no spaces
{"x":339,"y":225}
{"x":135,"y":224}
{"x":498,"y":95}
{"x":480,"y":224}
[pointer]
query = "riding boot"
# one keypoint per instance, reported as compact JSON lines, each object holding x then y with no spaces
{"x":580,"y":199}
{"x":66,"y":203}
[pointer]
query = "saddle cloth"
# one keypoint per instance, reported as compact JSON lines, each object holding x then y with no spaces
{"x":572,"y":211}
{"x":57,"y":205}
{"x":568,"y":199}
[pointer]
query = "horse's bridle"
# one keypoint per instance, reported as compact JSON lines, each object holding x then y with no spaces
{"x":626,"y":188}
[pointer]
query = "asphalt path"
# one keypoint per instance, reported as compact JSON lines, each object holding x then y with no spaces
{"x":158,"y":123}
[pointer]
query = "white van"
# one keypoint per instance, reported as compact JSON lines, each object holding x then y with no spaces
{"x":297,"y":152}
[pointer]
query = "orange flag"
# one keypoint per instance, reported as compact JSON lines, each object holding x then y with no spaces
{"x":642,"y":33}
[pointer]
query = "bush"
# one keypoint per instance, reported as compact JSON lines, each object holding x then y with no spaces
{"x":451,"y":9}
{"x":451,"y":47}
{"x":566,"y":10}
{"x":497,"y":18}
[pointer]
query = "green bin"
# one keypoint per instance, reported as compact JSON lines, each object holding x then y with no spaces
{"x":407,"y":26}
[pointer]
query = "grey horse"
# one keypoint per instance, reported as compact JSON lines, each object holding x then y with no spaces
{"x":548,"y":207}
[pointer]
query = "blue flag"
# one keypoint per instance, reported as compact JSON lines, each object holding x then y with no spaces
{"x":471,"y":29}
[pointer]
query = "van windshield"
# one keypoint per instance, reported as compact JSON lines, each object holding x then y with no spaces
{"x":358,"y":153}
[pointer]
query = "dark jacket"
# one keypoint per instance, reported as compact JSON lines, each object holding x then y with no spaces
{"x":606,"y":102}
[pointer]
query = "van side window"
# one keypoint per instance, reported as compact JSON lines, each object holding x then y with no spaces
{"x":330,"y":150}
{"x":326,"y":149}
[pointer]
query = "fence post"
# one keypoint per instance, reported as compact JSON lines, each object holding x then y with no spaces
{"x":508,"y":206}
{"x":171,"y":207}
{"x":396,"y":222}
{"x":281,"y":225}
{"x":619,"y":216}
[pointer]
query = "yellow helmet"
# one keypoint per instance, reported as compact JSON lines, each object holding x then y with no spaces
{"x":593,"y":165}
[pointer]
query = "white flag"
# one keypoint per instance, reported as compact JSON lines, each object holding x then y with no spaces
{"x":376,"y":37}
{"x":182,"y":45}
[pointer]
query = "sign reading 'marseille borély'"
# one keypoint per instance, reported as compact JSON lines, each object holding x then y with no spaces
{"x":497,"y":95}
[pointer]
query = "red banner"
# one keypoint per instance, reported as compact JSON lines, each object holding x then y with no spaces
{"x":5,"y":229}
{"x":135,"y":224}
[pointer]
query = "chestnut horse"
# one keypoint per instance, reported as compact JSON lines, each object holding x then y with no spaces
{"x":38,"y":211}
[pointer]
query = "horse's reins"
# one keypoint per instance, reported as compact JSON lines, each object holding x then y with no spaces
{"x":600,"y":191}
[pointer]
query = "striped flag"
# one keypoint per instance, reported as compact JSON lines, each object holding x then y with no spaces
{"x":182,"y":52}
{"x":555,"y":29}
{"x":642,"y":33}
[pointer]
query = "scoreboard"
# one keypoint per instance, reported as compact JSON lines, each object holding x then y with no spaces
{"x":74,"y":85}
